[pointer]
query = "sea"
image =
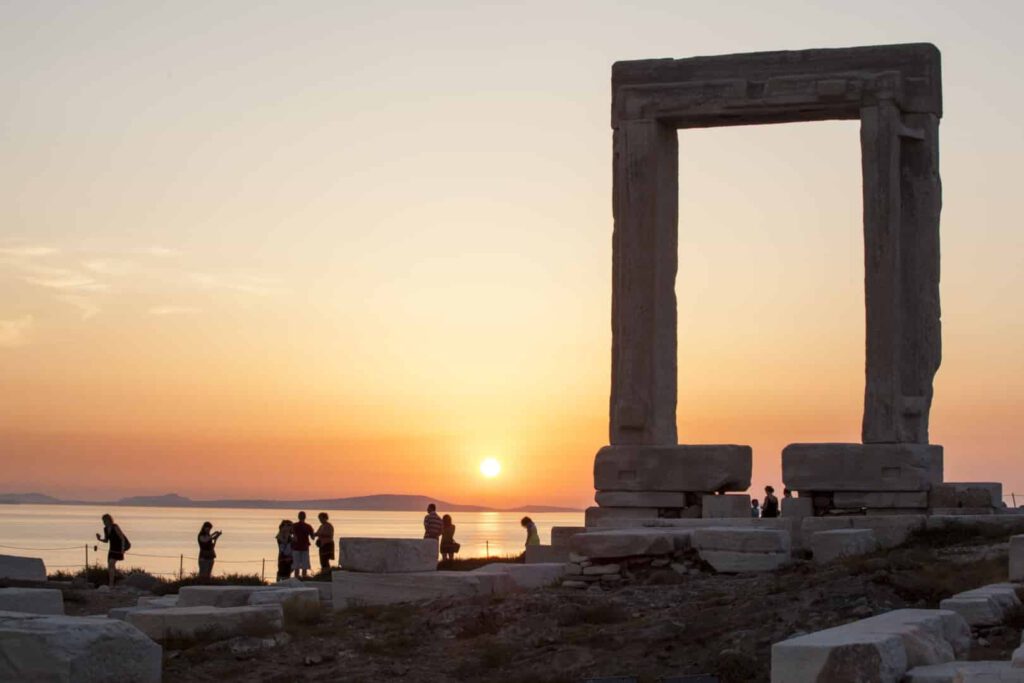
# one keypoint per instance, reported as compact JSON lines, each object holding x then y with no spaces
{"x":164,"y":538}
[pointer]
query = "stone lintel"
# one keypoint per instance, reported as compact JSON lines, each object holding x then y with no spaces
{"x":771,"y":87}
{"x":861,"y":467}
{"x":673,"y":468}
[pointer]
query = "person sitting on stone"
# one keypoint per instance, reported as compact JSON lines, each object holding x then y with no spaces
{"x":786,"y":493}
{"x":432,"y":524}
{"x":770,"y":508}
{"x":755,"y":508}
{"x":448,"y":544}
{"x":532,"y":537}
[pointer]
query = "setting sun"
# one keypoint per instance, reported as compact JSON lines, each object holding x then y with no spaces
{"x":490,"y":468}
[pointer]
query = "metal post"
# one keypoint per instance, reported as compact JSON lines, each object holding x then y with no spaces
{"x":181,"y":567}
{"x":1013,"y":497}
{"x":488,"y":549}
{"x":86,"y":557}
{"x":263,"y":573}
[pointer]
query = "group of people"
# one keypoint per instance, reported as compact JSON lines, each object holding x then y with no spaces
{"x":770,"y":507}
{"x":442,"y":529}
{"x":293,"y":543}
{"x":294,"y":540}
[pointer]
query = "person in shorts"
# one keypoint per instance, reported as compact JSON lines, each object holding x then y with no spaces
{"x":302,"y":534}
{"x":119,"y":545}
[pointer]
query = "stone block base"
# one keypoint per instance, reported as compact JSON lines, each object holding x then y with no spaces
{"x":797,"y":508}
{"x":357,"y":588}
{"x":299,"y":605}
{"x":880,"y":648}
{"x":890,"y":530}
{"x":828,"y":546}
{"x":880,"y":499}
{"x":560,"y":535}
{"x":986,"y":606}
{"x":1017,"y":558}
{"x":545,"y":554}
{"x":527,"y":576}
{"x":966,"y":495}
{"x":740,"y":539}
{"x":32,"y":600}
{"x":388,"y":555}
{"x":600,"y":517}
{"x":861,"y":467}
{"x":22,"y":568}
{"x":727,"y":506}
{"x":712,"y":468}
{"x":182,"y":625}
{"x":217,"y":596}
{"x":629,"y":543}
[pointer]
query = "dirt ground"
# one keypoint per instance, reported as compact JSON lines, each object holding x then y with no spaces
{"x":671,"y":626}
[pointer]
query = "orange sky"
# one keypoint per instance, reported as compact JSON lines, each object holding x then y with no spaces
{"x":248,"y":252}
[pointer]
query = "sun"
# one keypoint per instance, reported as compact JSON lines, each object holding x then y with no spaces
{"x":490,"y":468}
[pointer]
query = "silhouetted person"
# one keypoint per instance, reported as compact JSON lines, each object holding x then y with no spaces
{"x":432,"y":524}
{"x":207,"y":553}
{"x":325,"y":542}
{"x":448,"y":545}
{"x":786,"y":493}
{"x":119,"y":545}
{"x":770,"y":508}
{"x":755,"y":508}
{"x":532,"y":536}
{"x":284,"y":549}
{"x":301,"y":535}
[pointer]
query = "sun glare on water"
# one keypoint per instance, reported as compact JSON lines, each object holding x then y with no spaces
{"x":490,"y":468}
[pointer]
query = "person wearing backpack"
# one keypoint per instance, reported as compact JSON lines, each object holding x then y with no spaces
{"x":119,"y":545}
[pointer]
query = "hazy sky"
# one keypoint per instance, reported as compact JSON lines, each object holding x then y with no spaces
{"x":325,"y":249}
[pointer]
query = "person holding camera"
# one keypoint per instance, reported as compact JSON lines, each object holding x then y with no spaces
{"x":207,"y":539}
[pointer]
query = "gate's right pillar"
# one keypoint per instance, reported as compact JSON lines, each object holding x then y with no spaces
{"x":902,"y":200}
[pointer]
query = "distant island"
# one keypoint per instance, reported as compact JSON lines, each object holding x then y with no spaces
{"x":381,"y":502}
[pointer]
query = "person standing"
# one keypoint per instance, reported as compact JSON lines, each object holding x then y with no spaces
{"x":755,"y":508}
{"x":432,"y":523}
{"x":448,"y":544}
{"x":284,"y":549}
{"x":325,"y":542}
{"x":770,"y":508}
{"x":119,"y":545}
{"x":207,"y":553}
{"x":301,"y":535}
{"x":532,"y":537}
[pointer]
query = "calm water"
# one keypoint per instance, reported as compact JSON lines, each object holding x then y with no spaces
{"x":160,"y":536}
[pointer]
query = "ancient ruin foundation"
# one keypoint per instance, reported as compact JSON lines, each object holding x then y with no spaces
{"x":895,"y":92}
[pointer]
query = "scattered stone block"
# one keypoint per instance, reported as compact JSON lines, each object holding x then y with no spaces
{"x":727,"y":506}
{"x":951,"y":494}
{"x":1017,"y":558}
{"x":742,"y":540}
{"x":797,"y":508}
{"x":890,"y":530}
{"x":560,"y":535}
{"x":733,"y":562}
{"x":323,"y":587}
{"x":881,"y":499}
{"x":861,"y":467}
{"x":881,"y":648}
{"x":829,"y":546}
{"x":217,"y":596}
{"x":1008,"y":524}
{"x":673,"y":468}
{"x":629,"y":542}
{"x":527,"y":576}
{"x":299,"y":605}
{"x":986,"y":606}
{"x":359,"y":588}
{"x":22,"y":568}
{"x":546,"y":554}
{"x":966,"y":672}
{"x":204,"y":624}
{"x":32,"y":600}
{"x":61,"y":649}
{"x":157,"y":601}
{"x":388,"y":555}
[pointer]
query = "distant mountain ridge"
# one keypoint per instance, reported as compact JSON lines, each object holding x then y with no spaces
{"x":381,"y":502}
